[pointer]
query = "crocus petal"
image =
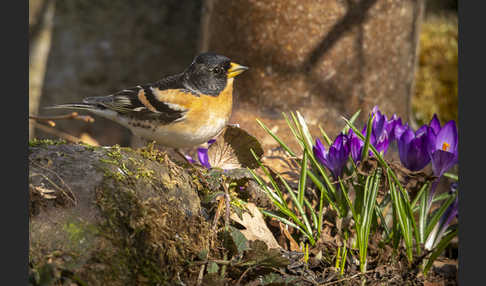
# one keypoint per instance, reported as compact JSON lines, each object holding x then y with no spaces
{"x":189,"y":158}
{"x":417,"y":154}
{"x":442,"y":161}
{"x":335,"y":159}
{"x":320,"y":152}
{"x":333,"y":163}
{"x":431,"y":139}
{"x":412,"y":150}
{"x":447,"y":137}
{"x":379,"y":124}
{"x":403,"y":144}
{"x":399,"y":129}
{"x":375,"y":109}
{"x":356,"y":146}
{"x":381,"y":145}
{"x":338,"y":142}
{"x":390,"y":128}
{"x":435,"y":124}
{"x":421,"y":131}
{"x":202,"y":155}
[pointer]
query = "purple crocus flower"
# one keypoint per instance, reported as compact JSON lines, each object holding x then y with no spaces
{"x":412,"y":148}
{"x":189,"y":158}
{"x":382,"y":131}
{"x":442,"y":149}
{"x":379,"y":131}
{"x":398,"y":130}
{"x":355,"y":146}
{"x":381,"y":123}
{"x":202,"y":155}
{"x":442,"y":146}
{"x":336,"y":157}
{"x":435,"y":124}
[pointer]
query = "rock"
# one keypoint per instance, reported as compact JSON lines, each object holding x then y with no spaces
{"x":105,"y":215}
{"x":325,"y":58}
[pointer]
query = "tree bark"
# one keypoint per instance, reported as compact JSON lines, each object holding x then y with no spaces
{"x":41,"y":15}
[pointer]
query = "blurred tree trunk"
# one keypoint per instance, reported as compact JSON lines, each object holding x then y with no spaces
{"x":41,"y":15}
{"x":326,"y":58}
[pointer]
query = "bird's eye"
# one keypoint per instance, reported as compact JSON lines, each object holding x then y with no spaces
{"x":217,"y":70}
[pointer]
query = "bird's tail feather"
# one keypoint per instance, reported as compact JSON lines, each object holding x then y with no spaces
{"x":78,"y":106}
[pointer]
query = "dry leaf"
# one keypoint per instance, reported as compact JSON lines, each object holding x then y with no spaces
{"x":231,"y":149}
{"x":256,"y":228}
{"x":45,"y":193}
{"x":88,"y":139}
{"x":221,"y":155}
{"x":294,"y":246}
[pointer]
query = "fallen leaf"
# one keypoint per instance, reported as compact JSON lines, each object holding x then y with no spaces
{"x":256,"y":228}
{"x":231,"y":150}
{"x":260,"y":254}
{"x":88,"y":139}
{"x":294,"y":246}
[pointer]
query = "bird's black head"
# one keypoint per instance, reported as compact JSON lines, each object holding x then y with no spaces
{"x":209,"y":73}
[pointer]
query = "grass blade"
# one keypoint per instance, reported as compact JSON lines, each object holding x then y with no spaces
{"x":439,"y":249}
{"x":303,"y":178}
{"x":369,"y":127}
{"x":287,"y":148}
{"x":352,"y":119}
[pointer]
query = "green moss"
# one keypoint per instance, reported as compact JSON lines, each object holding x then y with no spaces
{"x":88,"y":147}
{"x":78,"y":231}
{"x":145,"y":250}
{"x":126,"y":167}
{"x":44,"y":142}
{"x":151,"y":153}
{"x":149,"y":247}
{"x":140,"y":239}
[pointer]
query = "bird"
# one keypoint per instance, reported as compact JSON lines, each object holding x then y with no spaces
{"x":178,"y":111}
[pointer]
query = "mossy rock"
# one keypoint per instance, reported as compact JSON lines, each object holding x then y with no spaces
{"x":111,"y":215}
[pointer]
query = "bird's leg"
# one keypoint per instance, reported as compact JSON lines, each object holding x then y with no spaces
{"x":179,"y":152}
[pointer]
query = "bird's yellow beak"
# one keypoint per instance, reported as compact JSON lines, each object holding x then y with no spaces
{"x":235,"y":69}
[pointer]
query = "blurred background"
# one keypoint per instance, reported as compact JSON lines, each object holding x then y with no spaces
{"x":324,"y":58}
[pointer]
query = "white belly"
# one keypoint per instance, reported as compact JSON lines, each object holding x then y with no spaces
{"x":171,"y":137}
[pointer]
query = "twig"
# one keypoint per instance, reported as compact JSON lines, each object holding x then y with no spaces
{"x":217,"y":261}
{"x":71,"y":196}
{"x":201,"y":275}
{"x":347,"y":278}
{"x":72,"y":115}
{"x":227,"y":204}
{"x":243,"y":274}
{"x":63,"y":135}
{"x":44,"y":120}
{"x":217,"y":215}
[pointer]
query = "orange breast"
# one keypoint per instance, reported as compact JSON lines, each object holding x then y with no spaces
{"x":203,"y":111}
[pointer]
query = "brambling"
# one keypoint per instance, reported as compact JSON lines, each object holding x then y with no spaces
{"x":178,"y":111}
